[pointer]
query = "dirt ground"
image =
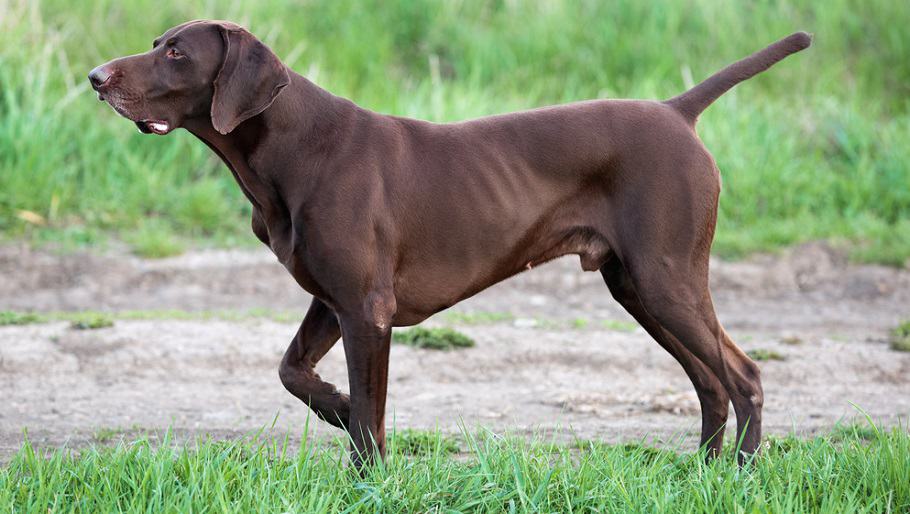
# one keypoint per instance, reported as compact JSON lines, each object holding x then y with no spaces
{"x":539,"y":370}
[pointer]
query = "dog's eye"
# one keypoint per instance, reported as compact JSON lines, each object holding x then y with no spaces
{"x":173,"y":53}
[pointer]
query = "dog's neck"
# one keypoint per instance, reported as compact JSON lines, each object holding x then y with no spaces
{"x":303,"y":114}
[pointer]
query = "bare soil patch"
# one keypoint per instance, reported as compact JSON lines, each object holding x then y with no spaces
{"x":548,"y":359}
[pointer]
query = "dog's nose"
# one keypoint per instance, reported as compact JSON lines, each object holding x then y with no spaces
{"x":99,"y":76}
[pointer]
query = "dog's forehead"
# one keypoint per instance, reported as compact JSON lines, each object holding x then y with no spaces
{"x":171,"y":32}
{"x":193,"y":26}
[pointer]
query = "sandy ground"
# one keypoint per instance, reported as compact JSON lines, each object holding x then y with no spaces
{"x":535,"y":372}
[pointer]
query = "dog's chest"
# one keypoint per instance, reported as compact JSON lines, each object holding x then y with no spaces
{"x":295,"y":260}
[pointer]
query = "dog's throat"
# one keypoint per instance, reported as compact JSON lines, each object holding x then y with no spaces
{"x":256,"y":187}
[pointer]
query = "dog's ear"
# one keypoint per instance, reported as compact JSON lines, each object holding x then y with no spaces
{"x":250,"y":78}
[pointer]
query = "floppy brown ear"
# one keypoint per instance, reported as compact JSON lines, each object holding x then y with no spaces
{"x":250,"y":78}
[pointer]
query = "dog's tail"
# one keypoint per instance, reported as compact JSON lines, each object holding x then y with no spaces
{"x":691,"y":103}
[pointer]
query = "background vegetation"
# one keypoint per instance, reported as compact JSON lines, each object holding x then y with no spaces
{"x":817,"y":148}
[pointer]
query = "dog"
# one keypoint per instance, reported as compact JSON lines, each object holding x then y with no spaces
{"x":388,"y":220}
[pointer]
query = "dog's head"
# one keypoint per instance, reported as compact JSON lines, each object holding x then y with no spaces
{"x":198,"y":69}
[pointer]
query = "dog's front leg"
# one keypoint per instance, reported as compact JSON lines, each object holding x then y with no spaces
{"x":318,"y":333}
{"x":367,"y":334}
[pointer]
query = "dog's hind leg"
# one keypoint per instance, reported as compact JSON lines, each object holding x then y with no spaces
{"x":677,"y":296}
{"x":316,"y":336}
{"x":711,"y":393}
{"x":666,"y":220}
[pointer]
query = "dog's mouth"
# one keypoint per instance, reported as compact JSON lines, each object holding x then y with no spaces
{"x":159,"y":127}
{"x":145,"y":125}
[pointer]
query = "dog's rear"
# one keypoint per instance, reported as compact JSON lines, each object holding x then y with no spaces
{"x":691,"y":103}
{"x":660,"y":239}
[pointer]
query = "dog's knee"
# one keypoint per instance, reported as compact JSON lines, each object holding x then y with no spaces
{"x":379,"y":309}
{"x":372,"y":317}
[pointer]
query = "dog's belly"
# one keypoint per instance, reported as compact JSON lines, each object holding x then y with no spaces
{"x":423,"y":291}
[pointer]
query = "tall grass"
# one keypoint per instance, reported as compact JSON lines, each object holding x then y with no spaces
{"x":848,"y":471}
{"x":816,"y":148}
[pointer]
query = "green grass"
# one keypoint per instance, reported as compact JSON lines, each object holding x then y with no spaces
{"x":441,"y":338}
{"x":762,"y":354}
{"x":539,"y":322}
{"x":91,"y":321}
{"x":580,"y":323}
{"x":421,"y":442}
{"x":105,"y":435}
{"x":846,"y":472}
{"x":791,"y":340}
{"x":413,"y":337}
{"x":619,"y":326}
{"x":815,"y":149}
{"x":83,"y":320}
{"x":900,"y":337}
{"x":154,"y":239}
{"x":90,"y":317}
{"x":19,"y":318}
{"x":476,"y":317}
{"x":854,"y":431}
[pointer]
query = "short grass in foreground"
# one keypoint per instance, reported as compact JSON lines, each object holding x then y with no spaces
{"x":850,"y":471}
{"x":900,"y":337}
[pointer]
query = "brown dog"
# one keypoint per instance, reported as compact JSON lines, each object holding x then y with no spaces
{"x":388,"y":220}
